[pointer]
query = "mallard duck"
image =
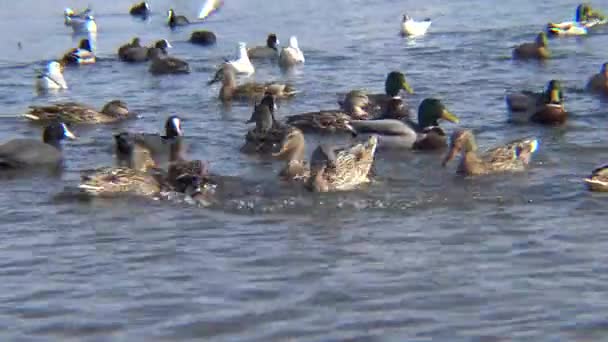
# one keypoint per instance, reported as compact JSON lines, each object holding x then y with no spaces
{"x":250,"y":90}
{"x":69,"y":14}
{"x":156,"y":143}
{"x":163,"y":64}
{"x":51,"y":78}
{"x":267,"y":132}
{"x":371,"y":105}
{"x":598,"y":181}
{"x":22,"y":153}
{"x":83,"y":54}
{"x":599,"y":82}
{"x":514,"y":156}
{"x":141,"y":9}
{"x":410,"y":27}
{"x":543,"y":108}
{"x":292,"y":149}
{"x":76,"y":113}
{"x":179,"y":166}
{"x":568,"y":28}
{"x":271,"y":50}
{"x":174,"y":20}
{"x":292,"y":54}
{"x":133,"y":52}
{"x":537,"y":50}
{"x":135,"y":43}
{"x":425,"y":135}
{"x":83,"y":25}
{"x":585,"y":13}
{"x":203,"y":37}
{"x":324,"y":121}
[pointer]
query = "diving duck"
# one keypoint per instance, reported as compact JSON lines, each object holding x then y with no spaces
{"x":412,"y":28}
{"x":230,"y":90}
{"x":174,"y":20}
{"x":23,"y":153}
{"x":537,"y":50}
{"x":270,"y":50}
{"x":133,"y":52}
{"x":292,"y":54}
{"x":598,"y":84}
{"x":544,"y":108}
{"x":83,"y":54}
{"x":163,"y":64}
{"x":424,"y":135}
{"x":267,"y":132}
{"x":514,"y":156}
{"x":156,"y":143}
{"x":598,"y":181}
{"x":76,"y":113}
{"x":141,"y":9}
{"x":51,"y":78}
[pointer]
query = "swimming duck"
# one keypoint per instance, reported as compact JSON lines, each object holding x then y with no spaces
{"x":267,"y":132}
{"x":425,"y":135}
{"x":52,"y":78}
{"x":122,"y":50}
{"x":324,"y":121}
{"x":291,"y":55}
{"x":141,"y":9}
{"x":83,"y":54}
{"x":69,"y":14}
{"x":163,"y":64}
{"x":133,"y":52}
{"x":410,"y":27}
{"x":21,"y":153}
{"x":83,"y":25}
{"x":242,"y":64}
{"x":537,"y":50}
{"x":76,"y":113}
{"x":514,"y":156}
{"x":271,"y":50}
{"x":230,"y":90}
{"x":598,"y":181}
{"x":543,"y":108}
{"x":156,"y":143}
{"x":599,"y":82}
{"x":585,"y":13}
{"x":179,"y":166}
{"x":174,"y":20}
{"x":203,"y":37}
{"x":568,"y":28}
{"x":292,"y":149}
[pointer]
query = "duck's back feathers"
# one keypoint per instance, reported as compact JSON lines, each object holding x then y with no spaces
{"x":326,"y":121}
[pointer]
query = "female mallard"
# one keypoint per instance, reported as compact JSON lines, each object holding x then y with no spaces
{"x":291,"y":55}
{"x":544,"y":108}
{"x":163,"y":64}
{"x":598,"y":181}
{"x":271,"y":50}
{"x":514,"y":156}
{"x":75,"y":113}
{"x":267,"y":132}
{"x":83,"y":54}
{"x":51,"y":78}
{"x":425,"y":135}
{"x":133,"y":52}
{"x":537,"y":50}
{"x":230,"y":90}
{"x":412,"y":28}
{"x":598,"y":84}
{"x":324,"y":121}
{"x":374,"y":104}
{"x":293,"y":147}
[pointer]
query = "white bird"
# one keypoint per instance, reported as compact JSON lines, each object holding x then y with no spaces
{"x":410,"y":27}
{"x":83,"y":25}
{"x":52,"y":78}
{"x":242,"y":64}
{"x":291,"y":55}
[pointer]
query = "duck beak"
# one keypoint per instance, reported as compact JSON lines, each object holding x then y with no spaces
{"x":446,"y":115}
{"x":407,"y":87}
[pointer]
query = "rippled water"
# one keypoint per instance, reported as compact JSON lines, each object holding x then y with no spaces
{"x":418,"y":255}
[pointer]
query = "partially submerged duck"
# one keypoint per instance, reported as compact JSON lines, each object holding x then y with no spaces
{"x":412,"y":28}
{"x":598,"y":180}
{"x":174,"y":20}
{"x":180,"y":167}
{"x":598,"y":84}
{"x":51,"y":78}
{"x":292,"y":54}
{"x":324,"y":121}
{"x":270,"y":50}
{"x":163,"y":64}
{"x":514,"y":156}
{"x":203,"y":37}
{"x":543,"y":108}
{"x":157,"y":143}
{"x":230,"y":90}
{"x":537,"y":50}
{"x":267,"y":132}
{"x":83,"y":54}
{"x":141,"y":9}
{"x":76,"y":113}
{"x":133,"y":52}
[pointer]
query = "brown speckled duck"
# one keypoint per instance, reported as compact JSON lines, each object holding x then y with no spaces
{"x":76,"y":113}
{"x":537,"y":50}
{"x":598,"y":84}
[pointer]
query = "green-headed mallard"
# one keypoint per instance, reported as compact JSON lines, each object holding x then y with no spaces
{"x":425,"y":135}
{"x":543,"y":108}
{"x":270,"y":50}
{"x":83,"y":54}
{"x":514,"y":156}
{"x":76,"y":113}
{"x":599,"y":82}
{"x":230,"y":90}
{"x":598,"y":181}
{"x":537,"y":50}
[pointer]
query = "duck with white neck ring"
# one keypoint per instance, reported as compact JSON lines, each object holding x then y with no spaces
{"x":51,"y":78}
{"x":291,"y":55}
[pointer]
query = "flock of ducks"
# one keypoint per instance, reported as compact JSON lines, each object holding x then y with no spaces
{"x":378,"y":120}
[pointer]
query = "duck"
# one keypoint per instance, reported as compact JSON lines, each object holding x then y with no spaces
{"x":424,"y":135}
{"x":156,"y":143}
{"x":51,"y":78}
{"x":412,"y":28}
{"x":69,"y":14}
{"x":174,"y":20}
{"x":364,"y":105}
{"x":203,"y":37}
{"x":270,"y":50}
{"x":598,"y":83}
{"x":179,"y":166}
{"x":230,"y":90}
{"x":323,"y":122}
{"x":83,"y":25}
{"x":133,"y":52}
{"x":568,"y":28}
{"x":242,"y":64}
{"x":24,"y":153}
{"x":537,"y":50}
{"x":585,"y":14}
{"x":134,"y":43}
{"x":83,"y":54}
{"x":598,"y":180}
{"x":141,"y":9}
{"x":163,"y":64}
{"x":544,"y":108}
{"x":514,"y":156}
{"x":76,"y":113}
{"x":292,"y":150}
{"x":291,"y":55}
{"x":267,"y":132}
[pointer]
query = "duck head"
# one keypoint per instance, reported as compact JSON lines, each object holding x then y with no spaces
{"x":116,"y":108}
{"x":460,"y":141}
{"x":163,"y":45}
{"x":432,"y":110}
{"x":68,"y":12}
{"x":173,"y":127}
{"x":292,"y":145}
{"x":272,"y":41}
{"x":553,"y":92}
{"x":55,"y":132}
{"x":136,"y":42}
{"x":85,"y":44}
{"x":395,"y":81}
{"x":541,"y":40}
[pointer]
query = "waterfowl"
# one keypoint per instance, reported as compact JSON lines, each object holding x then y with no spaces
{"x":598,"y":180}
{"x":174,"y":20}
{"x":22,"y":153}
{"x":141,"y":9}
{"x":69,"y":14}
{"x":51,"y":78}
{"x":568,"y":28}
{"x":585,"y":13}
{"x":156,"y":143}
{"x":291,"y":55}
{"x":163,"y":64}
{"x":514,"y":156}
{"x":267,"y":132}
{"x":410,"y":27}
{"x":324,"y":121}
{"x":242,"y":64}
{"x":270,"y":50}
{"x":75,"y":113}
{"x":179,"y":166}
{"x":598,"y":84}
{"x":203,"y":37}
{"x":543,"y":108}
{"x":536,"y":50}
{"x":86,"y":24}
{"x":292,"y":149}
{"x":133,"y":52}
{"x":122,"y":50}
{"x":425,"y":135}
{"x":230,"y":90}
{"x":83,"y":54}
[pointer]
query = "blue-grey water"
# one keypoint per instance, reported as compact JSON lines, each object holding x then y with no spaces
{"x":419,"y":255}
